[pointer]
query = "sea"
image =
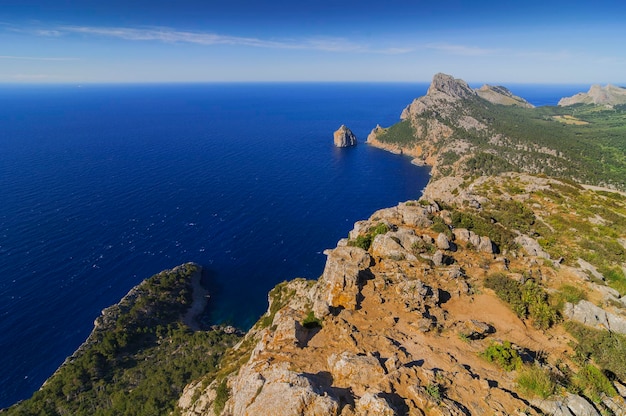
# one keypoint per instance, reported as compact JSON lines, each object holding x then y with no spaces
{"x":102,"y":186}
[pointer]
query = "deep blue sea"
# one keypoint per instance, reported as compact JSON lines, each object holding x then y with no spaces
{"x":102,"y":186}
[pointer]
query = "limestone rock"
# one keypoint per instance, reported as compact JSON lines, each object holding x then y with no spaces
{"x":341,"y":281}
{"x":531,"y":246}
{"x":485,"y":245}
{"x":608,"y":95}
{"x":275,"y":387}
{"x":344,"y":137}
{"x":358,"y":372}
{"x":501,"y":95}
{"x":580,"y":407}
{"x":371,"y":404}
{"x":442,"y":242}
{"x":386,"y":245}
{"x":447,"y":85}
{"x":288,"y":328}
{"x":589,"y":314}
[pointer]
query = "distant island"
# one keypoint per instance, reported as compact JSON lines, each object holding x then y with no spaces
{"x":502,"y":290}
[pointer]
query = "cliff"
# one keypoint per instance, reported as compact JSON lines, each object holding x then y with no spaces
{"x":417,"y":312}
{"x":460,"y":131}
{"x":344,"y":137}
{"x":609,"y":95}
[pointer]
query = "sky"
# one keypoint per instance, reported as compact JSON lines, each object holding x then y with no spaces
{"x":102,"y":41}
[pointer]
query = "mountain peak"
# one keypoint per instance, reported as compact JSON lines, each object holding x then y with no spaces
{"x":444,"y":84}
{"x":607,"y":95}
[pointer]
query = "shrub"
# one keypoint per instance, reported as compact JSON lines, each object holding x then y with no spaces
{"x":364,"y":241}
{"x":504,"y":355}
{"x":528,"y":299}
{"x":537,"y":381}
{"x":434,"y":390}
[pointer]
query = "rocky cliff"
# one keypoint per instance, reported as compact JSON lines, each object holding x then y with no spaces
{"x":461,"y":131}
{"x":415,"y":313}
{"x":608,"y":95}
{"x":344,"y":137}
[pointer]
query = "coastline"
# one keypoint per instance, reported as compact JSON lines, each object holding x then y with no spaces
{"x":200,"y":298}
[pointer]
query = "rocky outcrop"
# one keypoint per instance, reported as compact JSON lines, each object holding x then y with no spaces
{"x":344,"y":137}
{"x":501,"y":95}
{"x":589,"y":314}
{"x":398,"y":327}
{"x":608,"y":95}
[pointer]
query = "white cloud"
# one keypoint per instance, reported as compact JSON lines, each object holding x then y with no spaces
{"x":37,"y":58}
{"x":169,"y":35}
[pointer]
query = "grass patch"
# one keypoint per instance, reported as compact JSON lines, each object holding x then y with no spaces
{"x":435,"y":391}
{"x":536,"y":381}
{"x":570,"y":294}
{"x":592,"y":383}
{"x":606,"y":349}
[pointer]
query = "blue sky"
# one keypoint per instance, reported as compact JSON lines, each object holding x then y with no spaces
{"x":70,"y":41}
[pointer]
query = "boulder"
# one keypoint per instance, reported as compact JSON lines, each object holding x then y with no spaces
{"x":387,"y":246}
{"x":340,"y":284}
{"x":344,"y":137}
{"x":258,"y":392}
{"x":485,"y":245}
{"x":442,"y":242}
{"x":371,"y":404}
{"x":358,"y":372}
{"x":531,"y":246}
{"x":288,"y":328}
{"x":589,"y":314}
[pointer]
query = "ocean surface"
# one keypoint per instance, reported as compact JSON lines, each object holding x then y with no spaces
{"x":102,"y":186}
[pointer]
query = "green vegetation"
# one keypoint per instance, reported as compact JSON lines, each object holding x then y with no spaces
{"x":499,"y":235}
{"x":364,"y":241}
{"x":279,"y":296}
{"x":401,"y":133}
{"x":606,"y":349}
{"x":138,"y":360}
{"x":488,"y":164}
{"x":537,"y":381}
{"x":535,"y":141}
{"x":591,"y":383}
{"x":571,"y":294}
{"x":310,"y":321}
{"x":528,"y":299}
{"x":222,"y":394}
{"x":504,"y":355}
{"x":435,"y":391}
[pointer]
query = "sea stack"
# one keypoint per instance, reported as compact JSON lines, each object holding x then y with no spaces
{"x":344,"y":137}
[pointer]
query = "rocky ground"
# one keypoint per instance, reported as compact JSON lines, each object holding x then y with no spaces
{"x":401,"y":318}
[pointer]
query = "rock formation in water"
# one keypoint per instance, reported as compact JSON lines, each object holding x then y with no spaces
{"x":344,"y":137}
{"x":608,"y":95}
